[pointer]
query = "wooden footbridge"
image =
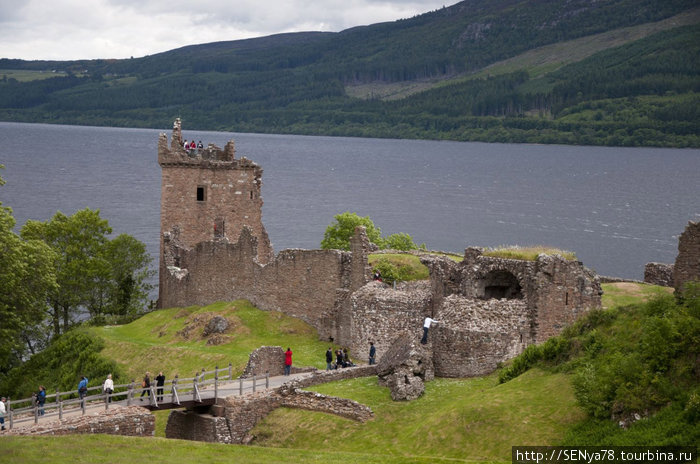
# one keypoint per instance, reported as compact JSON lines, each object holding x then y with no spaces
{"x":204,"y":389}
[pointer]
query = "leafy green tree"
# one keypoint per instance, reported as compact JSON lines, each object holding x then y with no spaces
{"x":102,"y":276}
{"x":338,"y":234}
{"x":26,"y":278}
{"x":78,"y":240}
{"x":129,"y":273}
{"x":400,"y":241}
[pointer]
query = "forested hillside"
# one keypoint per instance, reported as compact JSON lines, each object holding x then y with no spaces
{"x":637,"y":86}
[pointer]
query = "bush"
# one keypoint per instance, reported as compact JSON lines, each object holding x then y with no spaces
{"x":60,"y":366}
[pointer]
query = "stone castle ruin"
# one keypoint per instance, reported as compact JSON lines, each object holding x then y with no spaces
{"x":214,"y":247}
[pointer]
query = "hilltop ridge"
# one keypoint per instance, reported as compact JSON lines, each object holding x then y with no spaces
{"x":476,"y":70}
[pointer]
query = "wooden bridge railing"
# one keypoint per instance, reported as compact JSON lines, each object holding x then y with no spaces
{"x":187,"y":389}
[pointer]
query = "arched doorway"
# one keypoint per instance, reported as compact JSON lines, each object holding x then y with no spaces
{"x":500,"y":284}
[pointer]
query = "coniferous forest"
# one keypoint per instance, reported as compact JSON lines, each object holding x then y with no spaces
{"x":612,"y":72}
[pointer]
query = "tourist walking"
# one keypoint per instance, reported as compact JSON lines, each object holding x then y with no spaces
{"x":372,"y":353}
{"x":288,"y":361}
{"x":2,"y":413}
{"x":108,"y":387}
{"x":426,"y":325}
{"x":82,"y":387}
{"x":160,"y":381}
{"x":329,"y":359}
{"x":41,"y":399}
{"x":146,"y":385}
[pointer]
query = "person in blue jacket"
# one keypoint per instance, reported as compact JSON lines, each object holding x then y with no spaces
{"x":82,"y":387}
{"x":41,"y":399}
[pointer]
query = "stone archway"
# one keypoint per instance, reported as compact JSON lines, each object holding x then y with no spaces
{"x":499,"y":284}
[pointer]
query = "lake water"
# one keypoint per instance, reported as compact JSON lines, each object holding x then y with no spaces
{"x":617,"y":208}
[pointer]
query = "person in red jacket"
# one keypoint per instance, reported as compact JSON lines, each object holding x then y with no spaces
{"x":288,"y":361}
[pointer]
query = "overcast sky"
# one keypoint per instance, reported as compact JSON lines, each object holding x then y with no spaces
{"x":88,"y":29}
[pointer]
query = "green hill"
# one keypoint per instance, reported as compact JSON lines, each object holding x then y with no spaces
{"x":612,"y":72}
{"x":562,"y":392}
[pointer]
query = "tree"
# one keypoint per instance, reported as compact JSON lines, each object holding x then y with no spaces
{"x":338,"y":234}
{"x":400,"y":241}
{"x":129,"y":273}
{"x":26,"y":279}
{"x":102,"y":276}
{"x":78,"y":241}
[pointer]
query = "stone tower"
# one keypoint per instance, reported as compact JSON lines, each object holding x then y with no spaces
{"x":207,"y":194}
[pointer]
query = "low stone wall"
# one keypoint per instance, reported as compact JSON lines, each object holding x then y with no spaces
{"x":130,"y":421}
{"x":320,"y":377}
{"x":659,"y":274}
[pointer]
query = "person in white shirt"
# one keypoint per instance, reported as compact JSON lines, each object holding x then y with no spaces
{"x":426,"y":325}
{"x":108,"y":387}
{"x":2,"y":413}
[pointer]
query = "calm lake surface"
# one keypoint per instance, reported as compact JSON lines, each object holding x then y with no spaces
{"x":617,"y":208}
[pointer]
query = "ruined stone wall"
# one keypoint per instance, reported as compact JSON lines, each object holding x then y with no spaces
{"x":555,"y":291}
{"x":564,"y":291}
{"x":473,"y":336}
{"x":658,"y":274}
{"x":687,"y":265}
{"x":309,"y":284}
{"x":130,"y":421}
{"x":270,"y":360}
{"x":381,"y":314}
{"x":266,"y":359}
{"x":188,"y":425}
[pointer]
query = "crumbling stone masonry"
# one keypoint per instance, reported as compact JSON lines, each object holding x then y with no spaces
{"x":658,"y":274}
{"x":687,"y":266}
{"x":405,"y":368}
{"x":269,"y":360}
{"x":130,"y":421}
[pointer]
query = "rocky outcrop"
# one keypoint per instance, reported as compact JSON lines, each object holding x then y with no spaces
{"x":405,"y":368}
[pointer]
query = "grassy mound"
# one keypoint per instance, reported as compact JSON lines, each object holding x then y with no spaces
{"x":172,"y":340}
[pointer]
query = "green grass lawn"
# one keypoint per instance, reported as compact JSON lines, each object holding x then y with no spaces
{"x":152,"y":343}
{"x":467,"y":419}
{"x":626,"y":293}
{"x":90,"y":449}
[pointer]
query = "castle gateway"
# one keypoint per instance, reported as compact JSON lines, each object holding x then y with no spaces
{"x":214,"y":247}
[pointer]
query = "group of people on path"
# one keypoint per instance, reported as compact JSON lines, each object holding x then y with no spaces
{"x":108,"y":389}
{"x":146,"y":385}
